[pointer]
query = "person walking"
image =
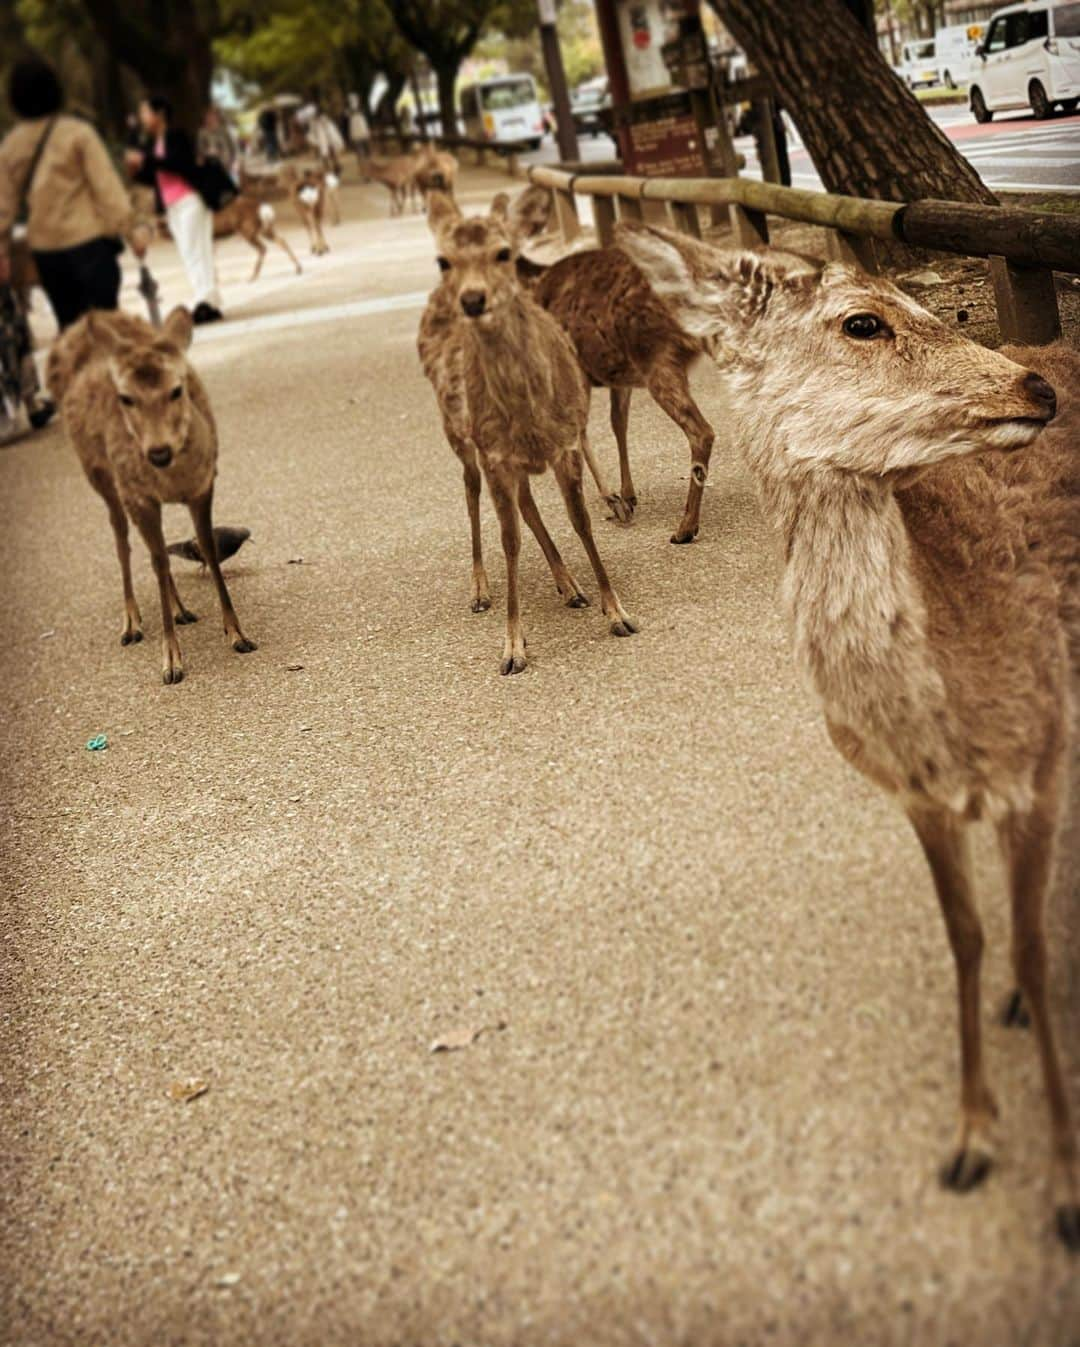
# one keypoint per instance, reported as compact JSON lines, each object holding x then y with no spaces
{"x":359,"y":131}
{"x":168,"y":164}
{"x":55,"y":172}
{"x":216,"y":140}
{"x":268,"y":127}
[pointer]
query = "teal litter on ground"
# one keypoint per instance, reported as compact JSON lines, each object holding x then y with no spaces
{"x":98,"y":742}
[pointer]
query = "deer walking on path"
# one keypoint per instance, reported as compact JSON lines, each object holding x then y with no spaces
{"x":254,"y":221}
{"x":513,"y":400}
{"x":928,"y":505}
{"x":140,"y":421}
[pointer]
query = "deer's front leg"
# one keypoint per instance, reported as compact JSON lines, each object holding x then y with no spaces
{"x":503,"y":489}
{"x":201,"y":510}
{"x":147,"y":517}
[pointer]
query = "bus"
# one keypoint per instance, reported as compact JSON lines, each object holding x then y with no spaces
{"x":503,"y":109}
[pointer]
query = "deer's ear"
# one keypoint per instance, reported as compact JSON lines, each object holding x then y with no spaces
{"x":500,"y":207}
{"x":104,"y":334}
{"x":441,"y":209}
{"x":178,"y":328}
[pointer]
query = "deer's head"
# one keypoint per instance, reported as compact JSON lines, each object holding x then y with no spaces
{"x":835,"y":368}
{"x":149,"y":379}
{"x":475,"y":256}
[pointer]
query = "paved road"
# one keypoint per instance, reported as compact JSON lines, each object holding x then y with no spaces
{"x":1013,"y":151}
{"x":727,"y":1070}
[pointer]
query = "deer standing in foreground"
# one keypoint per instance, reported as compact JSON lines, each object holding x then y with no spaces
{"x":513,"y":398}
{"x":140,"y":421}
{"x":254,"y":221}
{"x":931,"y":534}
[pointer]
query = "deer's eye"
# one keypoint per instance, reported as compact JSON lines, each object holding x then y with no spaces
{"x":128,"y":402}
{"x":176,"y":392}
{"x":863,"y":326}
{"x":443,"y":264}
{"x":503,"y":255}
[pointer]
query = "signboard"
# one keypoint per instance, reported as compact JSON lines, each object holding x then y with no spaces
{"x":664,"y":140}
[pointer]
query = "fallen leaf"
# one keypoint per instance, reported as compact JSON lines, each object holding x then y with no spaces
{"x":227,"y":1279}
{"x":294,"y":668}
{"x":296,"y":561}
{"x":47,"y":635}
{"x":183,"y":1091}
{"x":456,"y":1039}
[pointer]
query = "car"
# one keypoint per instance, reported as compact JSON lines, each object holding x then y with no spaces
{"x":918,"y":65}
{"x":504,"y":110}
{"x":955,"y":49}
{"x":1030,"y":58}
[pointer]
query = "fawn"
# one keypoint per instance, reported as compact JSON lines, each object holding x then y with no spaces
{"x":140,"y":421}
{"x":513,"y":397}
{"x":932,"y":577}
{"x":254,"y":221}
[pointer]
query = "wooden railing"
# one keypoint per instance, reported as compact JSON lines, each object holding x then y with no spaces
{"x":1024,"y":247}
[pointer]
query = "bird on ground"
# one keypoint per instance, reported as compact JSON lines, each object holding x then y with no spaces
{"x":227,"y":541}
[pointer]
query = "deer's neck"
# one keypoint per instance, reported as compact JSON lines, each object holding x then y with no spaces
{"x":859,"y":623}
{"x":510,"y":358}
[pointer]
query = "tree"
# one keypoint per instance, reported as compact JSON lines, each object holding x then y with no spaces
{"x":446,"y":32}
{"x":865,"y":132}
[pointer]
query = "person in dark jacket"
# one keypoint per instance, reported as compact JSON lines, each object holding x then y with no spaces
{"x":168,"y":164}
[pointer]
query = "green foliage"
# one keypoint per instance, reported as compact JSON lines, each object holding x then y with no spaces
{"x":583,"y":57}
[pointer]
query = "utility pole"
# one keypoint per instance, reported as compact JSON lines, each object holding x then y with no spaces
{"x":565,"y":133}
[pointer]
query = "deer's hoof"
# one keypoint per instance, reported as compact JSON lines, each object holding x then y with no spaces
{"x":131,"y":637}
{"x":578,"y":600}
{"x":183,"y":618}
{"x":620,"y":510}
{"x":243,"y":646}
{"x":966,"y":1169}
{"x":684,"y":537}
{"x":513,"y":664}
{"x":1014,"y":1014}
{"x":624,"y":626}
{"x":480,"y":605}
{"x":171,"y":676}
{"x":1068,"y":1227}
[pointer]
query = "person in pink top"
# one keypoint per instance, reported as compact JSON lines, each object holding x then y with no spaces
{"x":168,"y":164}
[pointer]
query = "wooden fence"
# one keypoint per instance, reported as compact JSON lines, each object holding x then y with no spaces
{"x":1024,"y":247}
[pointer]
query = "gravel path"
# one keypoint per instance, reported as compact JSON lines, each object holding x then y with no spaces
{"x":719,"y":1066}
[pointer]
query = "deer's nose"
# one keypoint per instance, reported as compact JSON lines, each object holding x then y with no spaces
{"x":473,"y":302}
{"x":1039,"y":391}
{"x":160,"y":456}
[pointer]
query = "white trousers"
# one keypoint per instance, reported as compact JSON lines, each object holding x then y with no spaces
{"x":192,"y":226}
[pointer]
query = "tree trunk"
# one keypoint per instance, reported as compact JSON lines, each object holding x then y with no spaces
{"x":445,"y":76}
{"x":865,"y":132}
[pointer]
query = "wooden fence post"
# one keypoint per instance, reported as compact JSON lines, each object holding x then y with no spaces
{"x":751,"y":226}
{"x":604,"y":215}
{"x":566,"y":214}
{"x":630,"y":208}
{"x":1026,"y":302}
{"x":686,"y":218}
{"x":840,"y":246}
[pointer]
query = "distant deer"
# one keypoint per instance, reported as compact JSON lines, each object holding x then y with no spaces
{"x":626,"y":338}
{"x":434,"y":170}
{"x":397,"y":175}
{"x":254,"y":221}
{"x":140,"y":421}
{"x":932,"y":577}
{"x":513,"y":397}
{"x":308,"y":191}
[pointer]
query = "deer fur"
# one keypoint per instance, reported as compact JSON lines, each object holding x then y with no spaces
{"x":397,"y":175}
{"x":931,"y":533}
{"x":513,"y":400}
{"x":434,"y":170}
{"x":254,"y":221}
{"x":140,"y":421}
{"x":626,"y":338}
{"x":308,"y":191}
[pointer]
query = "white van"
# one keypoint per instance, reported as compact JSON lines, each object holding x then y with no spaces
{"x":955,"y":49}
{"x":1030,"y":57}
{"x":917,"y":63}
{"x":503,"y":109}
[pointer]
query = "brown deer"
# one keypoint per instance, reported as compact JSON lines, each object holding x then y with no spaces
{"x":513,"y":398}
{"x":308,"y":191}
{"x":434,"y":170}
{"x":930,"y":525}
{"x":140,"y":421}
{"x":254,"y":221}
{"x":397,"y":175}
{"x":626,"y":338}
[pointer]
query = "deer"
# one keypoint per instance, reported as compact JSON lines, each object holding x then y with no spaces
{"x":140,"y":421}
{"x":626,"y":338}
{"x":927,"y":504}
{"x":254,"y":221}
{"x":308,"y":191}
{"x":434,"y":170}
{"x":514,"y":403}
{"x":397,"y":175}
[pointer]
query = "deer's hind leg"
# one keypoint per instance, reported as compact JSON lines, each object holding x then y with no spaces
{"x":670,"y":387}
{"x":283,"y":242}
{"x":568,"y":474}
{"x":944,"y":842}
{"x":569,"y":590}
{"x":619,"y":508}
{"x":201,"y":511}
{"x":260,"y":254}
{"x":1028,"y":845}
{"x":101,"y":479}
{"x":620,"y":422}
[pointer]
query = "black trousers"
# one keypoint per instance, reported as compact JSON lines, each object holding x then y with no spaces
{"x":80,"y":278}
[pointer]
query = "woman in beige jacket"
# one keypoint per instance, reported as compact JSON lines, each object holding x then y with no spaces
{"x":78,"y":207}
